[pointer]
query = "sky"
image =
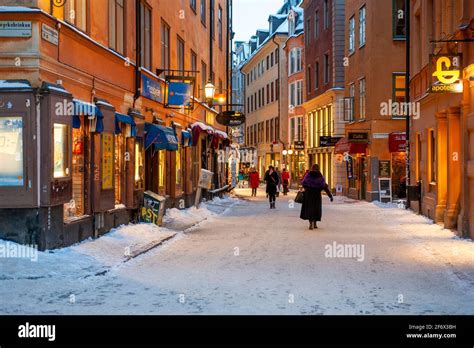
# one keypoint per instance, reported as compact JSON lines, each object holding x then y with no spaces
{"x":250,"y":15}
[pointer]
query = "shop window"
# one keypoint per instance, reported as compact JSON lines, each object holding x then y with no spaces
{"x":432,"y":156}
{"x":11,"y":151}
{"x":398,"y":90}
{"x":76,"y":207}
{"x":119,"y":167}
{"x":418,"y":157}
{"x":61,"y":150}
{"x":161,"y":168}
{"x":178,"y":165}
{"x":139,"y":169}
{"x":107,"y":161}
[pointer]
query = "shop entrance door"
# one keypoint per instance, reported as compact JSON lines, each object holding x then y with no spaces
{"x":363,"y":178}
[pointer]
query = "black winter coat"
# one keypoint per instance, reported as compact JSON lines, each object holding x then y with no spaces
{"x":312,"y":204}
{"x":272,"y":182}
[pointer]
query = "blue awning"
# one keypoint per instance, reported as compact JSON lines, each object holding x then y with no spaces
{"x":82,"y":108}
{"x":162,"y":138}
{"x":186,"y":138}
{"x":127,"y":119}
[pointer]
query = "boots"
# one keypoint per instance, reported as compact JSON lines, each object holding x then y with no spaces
{"x":272,"y":205}
{"x":311,"y":225}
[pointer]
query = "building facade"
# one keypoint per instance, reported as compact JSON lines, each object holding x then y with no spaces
{"x":324,"y":86}
{"x":85,"y":96}
{"x":441,"y":138}
{"x":240,"y":55}
{"x":266,"y":96}
{"x":374,"y":62}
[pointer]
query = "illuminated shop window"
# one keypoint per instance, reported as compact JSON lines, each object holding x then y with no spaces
{"x":61,"y":150}
{"x":161,"y":168}
{"x":11,"y":151}
{"x":178,"y":166}
{"x":139,"y":181}
{"x":107,"y":161}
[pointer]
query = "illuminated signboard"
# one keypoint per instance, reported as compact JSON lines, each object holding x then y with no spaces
{"x":179,"y":92}
{"x":446,"y":74}
{"x":152,"y":89}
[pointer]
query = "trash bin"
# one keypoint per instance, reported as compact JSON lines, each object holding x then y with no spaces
{"x":153,"y":208}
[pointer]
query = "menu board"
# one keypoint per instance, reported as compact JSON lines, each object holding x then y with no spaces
{"x":107,"y":161}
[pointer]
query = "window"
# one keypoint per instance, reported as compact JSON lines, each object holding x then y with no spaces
{"x":362,"y":98}
{"x":398,"y":90}
{"x":61,"y":150}
{"x":11,"y":151}
{"x":308,"y":79}
{"x":116,"y":26}
{"x":145,"y":28}
{"x":277,"y":89}
{"x":316,"y":76}
{"x":326,"y":68}
{"x":295,"y":62}
{"x":203,"y":12}
{"x":348,"y":104}
{"x":212,"y":19}
{"x":272,"y":130}
{"x":76,"y":13}
{"x":271,"y":59}
{"x":296,"y":129}
{"x":193,"y":61}
{"x":272,"y":92}
{"x":268,"y":93}
{"x":308,"y":31}
{"x":219,"y":26}
{"x":291,"y":24}
{"x":398,"y":19}
{"x":296,"y":93}
{"x":165,"y":45}
{"x":316,"y":25}
{"x":277,"y":58}
{"x":326,"y":14}
{"x":251,"y":103}
{"x":362,"y":26}
{"x":203,"y":77}
{"x":418,"y":157}
{"x":161,"y":168}
{"x":351,"y":34}
{"x":277,"y":128}
{"x":432,"y":156}
{"x":193,"y":5}
{"x":267,"y":131}
{"x":180,"y":53}
{"x":259,"y":98}
{"x":178,"y":165}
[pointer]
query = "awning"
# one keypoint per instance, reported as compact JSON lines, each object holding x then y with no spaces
{"x":186,"y":138}
{"x":220,"y":134}
{"x":197,"y":128}
{"x":397,"y":142}
{"x":162,"y":138}
{"x":343,"y":146}
{"x":82,"y":108}
{"x":127,"y":119}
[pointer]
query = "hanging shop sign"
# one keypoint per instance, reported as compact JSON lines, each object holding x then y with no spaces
{"x":349,"y":167}
{"x":230,"y":118}
{"x":384,"y":169}
{"x":446,"y":73}
{"x":397,"y":142}
{"x":49,"y":34}
{"x":179,"y":92}
{"x":327,"y":141}
{"x":15,"y":28}
{"x":152,"y":89}
{"x":355,"y":137}
{"x":298,"y":145}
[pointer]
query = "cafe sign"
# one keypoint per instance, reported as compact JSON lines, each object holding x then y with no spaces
{"x":358,"y":137}
{"x":446,"y":73}
{"x":326,"y":141}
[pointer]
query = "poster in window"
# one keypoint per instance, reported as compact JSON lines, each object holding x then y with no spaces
{"x":11,"y":151}
{"x":107,"y":161}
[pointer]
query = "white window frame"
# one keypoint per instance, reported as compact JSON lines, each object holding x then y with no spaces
{"x":362,"y":26}
{"x":362,"y":98}
{"x":351,"y":28}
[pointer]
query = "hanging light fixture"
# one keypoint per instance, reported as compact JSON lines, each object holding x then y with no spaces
{"x":209,"y":91}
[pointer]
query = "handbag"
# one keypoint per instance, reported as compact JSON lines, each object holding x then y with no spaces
{"x":299,"y":197}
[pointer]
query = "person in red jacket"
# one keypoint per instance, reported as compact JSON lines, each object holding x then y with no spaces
{"x":285,"y":177}
{"x":254,"y":179}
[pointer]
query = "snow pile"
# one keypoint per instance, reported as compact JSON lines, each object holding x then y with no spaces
{"x":190,"y":216}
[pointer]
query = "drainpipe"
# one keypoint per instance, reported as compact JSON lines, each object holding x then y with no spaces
{"x":407,"y":98}
{"x":138,"y":52}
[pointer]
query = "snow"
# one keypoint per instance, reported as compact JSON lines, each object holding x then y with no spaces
{"x":18,"y":9}
{"x":203,"y":126}
{"x":9,"y":84}
{"x":240,"y":257}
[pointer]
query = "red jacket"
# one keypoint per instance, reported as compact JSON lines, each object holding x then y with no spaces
{"x":285,"y":176}
{"x":254,"y":179}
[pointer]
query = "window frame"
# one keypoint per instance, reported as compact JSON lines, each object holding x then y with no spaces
{"x":351,"y":29}
{"x":395,"y":36}
{"x":362,"y":26}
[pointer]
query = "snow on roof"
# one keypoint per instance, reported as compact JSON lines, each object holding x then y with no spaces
{"x":202,"y":126}
{"x":222,"y":134}
{"x":14,"y":84}
{"x":18,"y":9}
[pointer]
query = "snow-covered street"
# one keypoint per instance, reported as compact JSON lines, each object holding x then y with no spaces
{"x":236,"y":256}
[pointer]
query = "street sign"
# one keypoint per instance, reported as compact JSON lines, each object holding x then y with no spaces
{"x":230,"y":118}
{"x":327,"y":141}
{"x":15,"y":28}
{"x":49,"y":34}
{"x":298,"y":145}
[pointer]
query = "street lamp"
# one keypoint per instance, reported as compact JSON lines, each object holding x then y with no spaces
{"x":290,"y":152}
{"x":209,"y":91}
{"x":284,"y":152}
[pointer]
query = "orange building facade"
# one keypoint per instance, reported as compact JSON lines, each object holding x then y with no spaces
{"x":88,"y":128}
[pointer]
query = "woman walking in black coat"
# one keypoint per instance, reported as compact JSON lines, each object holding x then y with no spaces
{"x":271,"y":177}
{"x":313,"y":184}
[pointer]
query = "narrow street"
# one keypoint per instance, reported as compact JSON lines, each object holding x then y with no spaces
{"x":244,"y":258}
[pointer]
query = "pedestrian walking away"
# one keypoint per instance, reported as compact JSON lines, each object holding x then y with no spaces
{"x":279,"y":185}
{"x":254,"y":180}
{"x":271,"y":178}
{"x":285,"y":176}
{"x":313,"y":184}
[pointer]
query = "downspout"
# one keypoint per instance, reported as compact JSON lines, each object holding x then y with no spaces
{"x":407,"y":98}
{"x":138,"y":52}
{"x":38,"y":147}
